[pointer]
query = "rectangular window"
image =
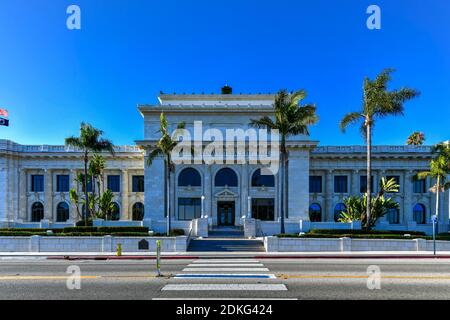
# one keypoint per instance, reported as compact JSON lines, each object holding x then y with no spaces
{"x":363,"y":184}
{"x":189,"y":208}
{"x":114,"y":183}
{"x":62,"y":183}
{"x":37,"y":183}
{"x":138,"y":184}
{"x":263,"y":209}
{"x":419,"y":186}
{"x":315,"y":184}
{"x":340,"y":184}
{"x":89,"y":184}
{"x":396,"y":178}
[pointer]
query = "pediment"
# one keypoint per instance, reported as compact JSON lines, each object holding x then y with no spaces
{"x":226,"y":193}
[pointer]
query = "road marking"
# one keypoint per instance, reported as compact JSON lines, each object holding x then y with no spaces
{"x":315,"y":276}
{"x":226,"y":265}
{"x":225,"y":270}
{"x":252,"y":299}
{"x":224,"y":287}
{"x":43,"y":277}
{"x":225,"y":276}
{"x":225,"y":261}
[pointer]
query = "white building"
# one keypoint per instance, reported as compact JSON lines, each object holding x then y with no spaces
{"x":35,"y":180}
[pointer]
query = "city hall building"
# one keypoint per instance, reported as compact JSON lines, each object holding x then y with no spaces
{"x":35,"y":179}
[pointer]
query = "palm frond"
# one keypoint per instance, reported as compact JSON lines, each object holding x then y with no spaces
{"x":350,"y":118}
{"x":153,"y":154}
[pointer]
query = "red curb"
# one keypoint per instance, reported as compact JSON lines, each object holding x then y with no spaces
{"x":118,"y":258}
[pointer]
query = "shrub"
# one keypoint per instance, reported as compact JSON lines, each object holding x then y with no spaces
{"x":123,"y":229}
{"x":384,"y":232}
{"x":83,"y":223}
{"x":79,"y":229}
{"x":21,"y":234}
{"x":176,"y":232}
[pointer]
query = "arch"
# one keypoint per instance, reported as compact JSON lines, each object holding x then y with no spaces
{"x":393,"y":216}
{"x":62,"y":212}
{"x":315,"y":212}
{"x":419,"y":214}
{"x":338,"y":209}
{"x":37,"y":212}
{"x":260,"y":180}
{"x":189,"y":177}
{"x":114,"y":214}
{"x":138,"y":211}
{"x":226,"y":177}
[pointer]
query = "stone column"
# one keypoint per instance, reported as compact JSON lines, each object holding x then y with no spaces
{"x":154,"y":190}
{"x":125,"y":214}
{"x":355,"y":183}
{"x":73,"y":185}
{"x":207,"y":191}
{"x":23,"y":190}
{"x":407,"y":200}
{"x":244,"y":192}
{"x":48,"y":195}
{"x":329,"y":196}
{"x":298,"y":193}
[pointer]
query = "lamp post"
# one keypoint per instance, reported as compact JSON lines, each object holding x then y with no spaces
{"x":249,"y":207}
{"x":203,"y":207}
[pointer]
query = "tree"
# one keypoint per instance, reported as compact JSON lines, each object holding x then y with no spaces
{"x":378,"y":103}
{"x":439,"y":169}
{"x":291,"y":118}
{"x":90,"y":140}
{"x":416,"y":139}
{"x":164,"y":148}
{"x":356,"y":207}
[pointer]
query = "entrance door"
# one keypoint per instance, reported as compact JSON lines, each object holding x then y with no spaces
{"x":225,"y":213}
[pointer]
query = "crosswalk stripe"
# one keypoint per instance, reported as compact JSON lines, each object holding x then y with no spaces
{"x":226,"y":265}
{"x":224,"y":287}
{"x":225,"y":276}
{"x":220,"y":269}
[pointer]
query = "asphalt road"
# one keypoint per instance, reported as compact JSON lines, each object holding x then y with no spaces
{"x":226,"y":279}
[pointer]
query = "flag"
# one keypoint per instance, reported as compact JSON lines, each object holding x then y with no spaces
{"x":4,"y":113}
{"x":4,"y":122}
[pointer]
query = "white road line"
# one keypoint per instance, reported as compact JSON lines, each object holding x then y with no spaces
{"x":225,"y":269}
{"x":225,"y":261}
{"x":225,"y":287}
{"x":255,"y":276}
{"x":257,"y":299}
{"x":226,"y":265}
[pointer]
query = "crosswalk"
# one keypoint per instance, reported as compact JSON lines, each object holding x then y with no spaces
{"x":218,"y":276}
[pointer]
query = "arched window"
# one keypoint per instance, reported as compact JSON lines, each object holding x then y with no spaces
{"x":138,"y":211}
{"x":340,"y":207}
{"x":315,"y":212}
{"x":393,"y":216}
{"x":260,"y":180}
{"x":37,"y":212}
{"x":189,"y":177}
{"x":114,"y":214}
{"x":419,"y":214}
{"x":62,"y":212}
{"x":226,"y":177}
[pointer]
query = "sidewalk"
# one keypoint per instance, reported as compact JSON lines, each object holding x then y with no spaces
{"x":249,"y":255}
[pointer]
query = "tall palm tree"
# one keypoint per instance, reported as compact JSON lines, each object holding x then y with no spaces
{"x":416,"y":139}
{"x":90,"y":140}
{"x":439,"y":169}
{"x":378,"y":102}
{"x":291,"y":118}
{"x":164,"y":148}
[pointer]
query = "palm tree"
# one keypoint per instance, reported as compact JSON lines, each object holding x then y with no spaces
{"x":90,"y":140}
{"x":164,"y":148}
{"x":378,"y":102}
{"x":439,"y":169}
{"x":291,"y":118}
{"x":416,"y":139}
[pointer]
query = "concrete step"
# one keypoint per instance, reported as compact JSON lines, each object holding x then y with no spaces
{"x":226,"y":232}
{"x":226,"y":245}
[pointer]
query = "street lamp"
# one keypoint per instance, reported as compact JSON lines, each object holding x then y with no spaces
{"x":249,"y":207}
{"x":203,"y":207}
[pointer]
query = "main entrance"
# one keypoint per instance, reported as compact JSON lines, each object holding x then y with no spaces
{"x":225,"y":213}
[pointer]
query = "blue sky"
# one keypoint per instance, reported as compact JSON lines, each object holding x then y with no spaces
{"x":52,"y":78}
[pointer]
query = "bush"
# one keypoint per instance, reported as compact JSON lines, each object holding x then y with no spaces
{"x":79,"y":229}
{"x":353,"y":236}
{"x":176,"y":232}
{"x":354,"y":232}
{"x":83,"y":223}
{"x":21,"y":234}
{"x":123,"y":229}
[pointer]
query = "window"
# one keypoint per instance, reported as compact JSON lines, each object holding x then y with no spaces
{"x":114,"y":214}
{"x":396,"y":178}
{"x":340,"y":184}
{"x":419,"y":186}
{"x":138,"y":211}
{"x":263,"y":209}
{"x":89,"y":184}
{"x":37,"y":212}
{"x":189,"y":177}
{"x":340,"y":207}
{"x":393,"y":216}
{"x":315,"y":184}
{"x":189,"y":208}
{"x":114,"y":183}
{"x":62,"y":212}
{"x":419,"y":213}
{"x":262,"y":180}
{"x":315,"y":212}
{"x":62,"y":183}
{"x":363,"y":184}
{"x":226,"y":177}
{"x":37,"y":183}
{"x":138,"y":184}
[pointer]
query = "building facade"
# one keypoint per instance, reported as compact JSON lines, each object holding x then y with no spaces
{"x":35,"y":180}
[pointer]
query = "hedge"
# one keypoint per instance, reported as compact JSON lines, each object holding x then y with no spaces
{"x":122,"y":229}
{"x":365,"y":232}
{"x":353,"y":236}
